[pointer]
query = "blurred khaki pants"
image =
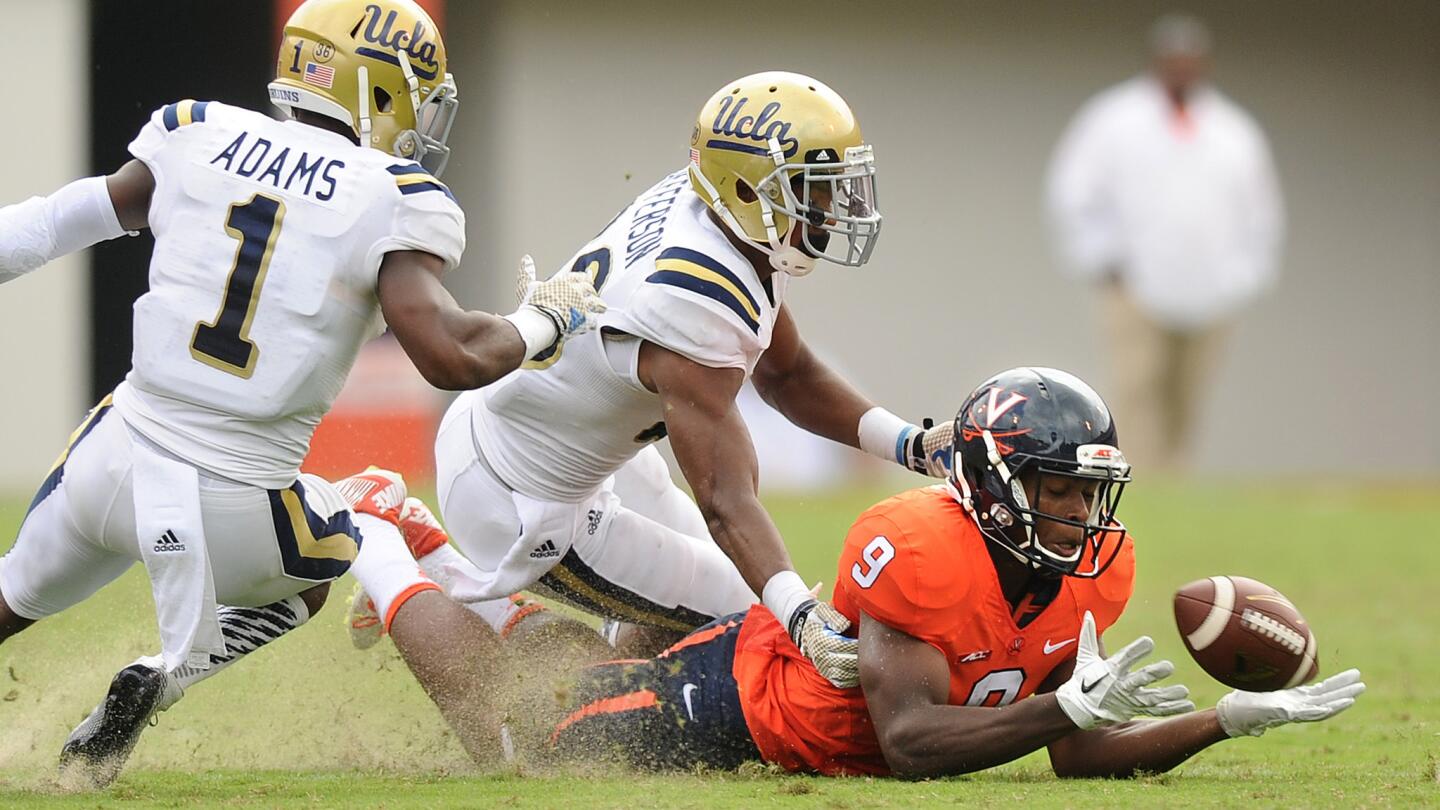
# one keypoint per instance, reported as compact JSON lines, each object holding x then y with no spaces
{"x":1159,"y":379}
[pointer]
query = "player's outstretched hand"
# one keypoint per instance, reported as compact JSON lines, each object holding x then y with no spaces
{"x":1252,"y":713}
{"x":930,"y":449}
{"x":819,"y":632}
{"x":568,"y":299}
{"x":1104,"y":690}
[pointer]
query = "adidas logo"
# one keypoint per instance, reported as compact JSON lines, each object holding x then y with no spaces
{"x":545,"y":551}
{"x":169,"y":542}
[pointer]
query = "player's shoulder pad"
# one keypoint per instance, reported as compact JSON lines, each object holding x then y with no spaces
{"x":425,"y":215}
{"x":904,"y":560}
{"x":709,"y":278}
{"x":168,"y":120}
{"x":696,"y":306}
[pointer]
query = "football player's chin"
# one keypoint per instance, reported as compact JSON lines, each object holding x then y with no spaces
{"x":816,"y":246}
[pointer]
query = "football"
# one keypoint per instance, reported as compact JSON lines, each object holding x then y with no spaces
{"x":1245,"y":634}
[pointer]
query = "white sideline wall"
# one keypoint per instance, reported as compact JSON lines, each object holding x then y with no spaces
{"x":44,"y":318}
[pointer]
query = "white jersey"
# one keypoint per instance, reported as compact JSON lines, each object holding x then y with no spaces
{"x":559,"y":427}
{"x":268,"y":241}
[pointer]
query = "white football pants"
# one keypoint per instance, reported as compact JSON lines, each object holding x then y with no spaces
{"x":79,"y":534}
{"x":639,"y":552}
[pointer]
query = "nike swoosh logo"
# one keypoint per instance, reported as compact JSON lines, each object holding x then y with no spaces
{"x":685,"y":693}
{"x":1050,"y":648}
{"x":1084,"y":687}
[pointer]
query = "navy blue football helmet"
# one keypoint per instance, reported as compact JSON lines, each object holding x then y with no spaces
{"x":1051,"y":422}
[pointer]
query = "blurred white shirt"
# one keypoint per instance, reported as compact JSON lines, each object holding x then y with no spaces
{"x":1185,"y":208}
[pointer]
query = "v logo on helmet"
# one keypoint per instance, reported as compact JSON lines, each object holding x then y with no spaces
{"x":415,"y":43}
{"x":729,"y":121}
{"x":994,"y":408}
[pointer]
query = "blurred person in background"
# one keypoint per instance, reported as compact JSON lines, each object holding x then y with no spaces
{"x":1162,"y":190}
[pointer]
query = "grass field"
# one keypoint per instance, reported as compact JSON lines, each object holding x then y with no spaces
{"x":313,"y":723}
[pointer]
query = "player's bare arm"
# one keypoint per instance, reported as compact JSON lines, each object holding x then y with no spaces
{"x":458,"y":349}
{"x":812,"y":395}
{"x":922,"y":736}
{"x":797,"y":383}
{"x":717,"y":458}
{"x":907,"y":684}
{"x":131,"y":188}
{"x":455,"y":349}
{"x":1129,"y":749}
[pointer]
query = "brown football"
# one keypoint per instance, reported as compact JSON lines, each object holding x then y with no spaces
{"x":1245,"y":634}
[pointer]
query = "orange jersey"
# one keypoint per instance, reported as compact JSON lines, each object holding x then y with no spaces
{"x":917,"y":563}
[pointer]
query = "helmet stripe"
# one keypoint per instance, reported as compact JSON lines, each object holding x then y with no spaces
{"x":394,"y":60}
{"x":738,"y":147}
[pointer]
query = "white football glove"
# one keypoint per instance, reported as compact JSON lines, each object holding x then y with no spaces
{"x":1251,"y":713}
{"x":818,"y":629}
{"x":929,"y":450}
{"x":1104,"y":690}
{"x":568,"y":299}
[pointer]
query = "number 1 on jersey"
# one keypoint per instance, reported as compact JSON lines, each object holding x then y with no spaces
{"x":224,"y":343}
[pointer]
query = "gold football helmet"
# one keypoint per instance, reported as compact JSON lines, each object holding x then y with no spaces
{"x":776,"y":151}
{"x":376,"y":65}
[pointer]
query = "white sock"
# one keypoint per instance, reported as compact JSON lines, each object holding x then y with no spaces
{"x":433,"y":564}
{"x":496,"y":612}
{"x":385,"y":568}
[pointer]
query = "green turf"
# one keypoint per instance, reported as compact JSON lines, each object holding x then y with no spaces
{"x":311,"y":722}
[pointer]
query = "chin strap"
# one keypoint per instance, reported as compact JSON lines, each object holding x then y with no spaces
{"x":783,"y":257}
{"x":362,"y":74}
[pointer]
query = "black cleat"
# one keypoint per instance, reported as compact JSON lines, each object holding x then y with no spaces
{"x":96,"y":750}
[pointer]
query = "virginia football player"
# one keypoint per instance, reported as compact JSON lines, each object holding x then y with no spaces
{"x":978,"y":605}
{"x":547,"y":478}
{"x":279,"y":248}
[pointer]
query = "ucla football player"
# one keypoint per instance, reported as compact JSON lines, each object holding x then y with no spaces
{"x":548,"y":479}
{"x":280,"y":247}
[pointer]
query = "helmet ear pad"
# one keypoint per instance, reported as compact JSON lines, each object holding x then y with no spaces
{"x":745,"y":193}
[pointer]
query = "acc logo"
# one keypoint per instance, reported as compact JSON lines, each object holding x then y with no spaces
{"x":324,"y":51}
{"x":759,"y":128}
{"x":412,"y":43}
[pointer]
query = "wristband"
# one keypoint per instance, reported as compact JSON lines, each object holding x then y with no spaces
{"x":537,"y":329}
{"x":887,"y":436}
{"x":784,"y":595}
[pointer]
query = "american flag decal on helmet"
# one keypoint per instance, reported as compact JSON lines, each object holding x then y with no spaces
{"x":319,"y":75}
